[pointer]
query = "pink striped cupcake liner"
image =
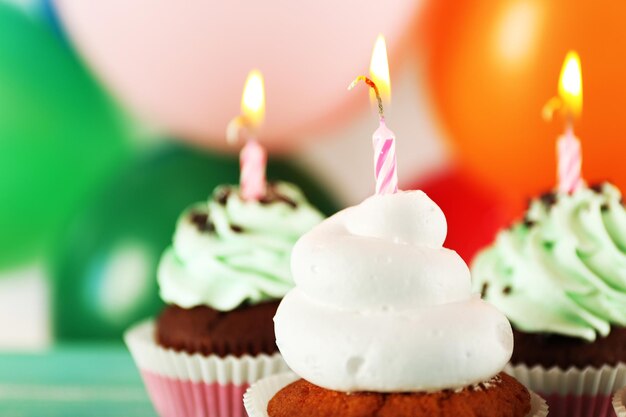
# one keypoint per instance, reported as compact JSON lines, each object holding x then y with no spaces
{"x":184,"y":385}
{"x":575,"y":392}
{"x":260,"y":393}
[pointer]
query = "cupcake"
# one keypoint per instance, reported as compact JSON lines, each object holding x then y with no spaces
{"x":382,"y":322}
{"x":221,"y":280}
{"x":559,"y":275}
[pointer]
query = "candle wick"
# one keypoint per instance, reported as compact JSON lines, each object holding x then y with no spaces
{"x":371,"y":84}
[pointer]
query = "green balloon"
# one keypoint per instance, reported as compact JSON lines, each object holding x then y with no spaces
{"x":105,"y":269}
{"x":59,"y":135}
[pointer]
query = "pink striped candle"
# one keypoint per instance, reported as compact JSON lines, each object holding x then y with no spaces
{"x":385,"y":160}
{"x":252,"y":159}
{"x":570,"y":161}
{"x":569,"y":103}
{"x":385,"y":165}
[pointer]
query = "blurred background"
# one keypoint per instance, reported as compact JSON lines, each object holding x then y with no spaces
{"x":113,"y":117}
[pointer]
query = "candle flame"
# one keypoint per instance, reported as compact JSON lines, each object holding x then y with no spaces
{"x":253,"y":99}
{"x":379,"y":70}
{"x":570,"y":99}
{"x":571,"y":84}
{"x":252,"y":108}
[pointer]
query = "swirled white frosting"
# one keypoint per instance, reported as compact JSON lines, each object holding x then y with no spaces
{"x":238,"y":252}
{"x":380,"y":305}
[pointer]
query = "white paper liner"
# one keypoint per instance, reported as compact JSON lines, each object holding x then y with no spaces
{"x":619,"y":403}
{"x":257,"y":397}
{"x":149,"y":356}
{"x":588,"y":381}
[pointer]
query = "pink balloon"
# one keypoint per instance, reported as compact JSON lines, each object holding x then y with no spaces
{"x":182,"y":64}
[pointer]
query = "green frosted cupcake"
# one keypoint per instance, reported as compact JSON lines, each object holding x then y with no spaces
{"x":222,"y":277}
{"x":559,"y":275}
{"x":227,"y":268}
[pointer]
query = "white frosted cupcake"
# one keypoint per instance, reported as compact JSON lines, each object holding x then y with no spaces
{"x":383,"y":322}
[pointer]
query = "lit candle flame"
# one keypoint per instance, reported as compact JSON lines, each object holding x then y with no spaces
{"x":253,"y":99}
{"x":571,"y":84}
{"x":569,"y":103}
{"x":570,"y":98}
{"x":384,"y":140}
{"x":379,"y":70}
{"x":252,"y":107}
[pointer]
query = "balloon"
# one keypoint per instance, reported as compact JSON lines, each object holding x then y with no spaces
{"x":59,"y":135}
{"x":182,"y":65}
{"x":475,"y":212}
{"x":47,"y":11}
{"x":104,"y":271}
{"x":492,"y":65}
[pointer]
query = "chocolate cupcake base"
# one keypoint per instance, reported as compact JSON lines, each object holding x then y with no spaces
{"x":502,"y":396}
{"x":564,"y":352}
{"x":248,"y":330}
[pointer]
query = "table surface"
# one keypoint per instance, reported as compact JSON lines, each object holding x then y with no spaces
{"x":85,"y":379}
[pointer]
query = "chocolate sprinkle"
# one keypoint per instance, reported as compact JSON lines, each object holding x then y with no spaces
{"x":507,"y":290}
{"x":273,"y":196}
{"x":548,"y":199}
{"x":236,"y":229}
{"x":483,"y":290}
{"x":598,"y":188}
{"x":529,"y":223}
{"x":223,"y":195}
{"x":604,"y":207}
{"x":202,"y":222}
{"x":286,"y":200}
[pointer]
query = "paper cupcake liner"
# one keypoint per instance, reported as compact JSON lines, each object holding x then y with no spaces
{"x":184,"y":385}
{"x":260,"y":393}
{"x":584,"y":392}
{"x":619,"y":403}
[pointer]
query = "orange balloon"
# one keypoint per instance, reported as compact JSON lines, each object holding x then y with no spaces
{"x":493,"y":64}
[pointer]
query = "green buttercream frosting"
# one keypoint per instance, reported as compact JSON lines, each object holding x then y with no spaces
{"x":563,"y":269}
{"x":228,"y":251}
